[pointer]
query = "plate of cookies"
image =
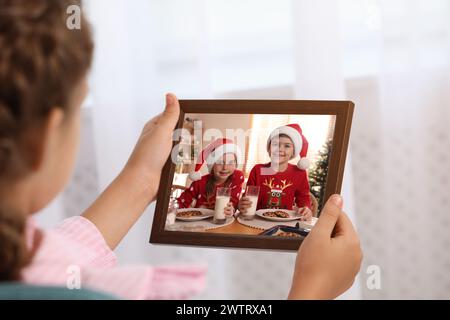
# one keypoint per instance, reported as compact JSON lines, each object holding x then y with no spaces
{"x":194,"y":214}
{"x":278,"y":214}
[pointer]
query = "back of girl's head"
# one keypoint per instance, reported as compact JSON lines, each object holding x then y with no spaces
{"x":41,"y":61}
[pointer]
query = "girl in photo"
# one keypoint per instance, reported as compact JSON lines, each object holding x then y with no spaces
{"x":222,"y":157}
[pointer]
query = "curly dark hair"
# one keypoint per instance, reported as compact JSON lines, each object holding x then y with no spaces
{"x":41,"y":62}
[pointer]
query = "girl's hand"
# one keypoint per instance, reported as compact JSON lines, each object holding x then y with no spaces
{"x":137,"y":184}
{"x":244,"y":204}
{"x":329,"y":257}
{"x":229,"y":209}
{"x":154,"y":146}
{"x":306,"y":214}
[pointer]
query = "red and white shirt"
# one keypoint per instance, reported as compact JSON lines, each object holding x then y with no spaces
{"x":197,"y":191}
{"x":280,"y":190}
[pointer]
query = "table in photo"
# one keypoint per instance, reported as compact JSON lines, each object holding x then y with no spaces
{"x":258,"y":225}
{"x":235,"y":225}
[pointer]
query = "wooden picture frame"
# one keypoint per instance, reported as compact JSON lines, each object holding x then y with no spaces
{"x":343,"y":112}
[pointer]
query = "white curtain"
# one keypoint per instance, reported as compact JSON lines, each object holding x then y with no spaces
{"x":390,"y":57}
{"x":397,"y":59}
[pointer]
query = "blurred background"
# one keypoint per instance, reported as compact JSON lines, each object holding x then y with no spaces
{"x":389,"y":57}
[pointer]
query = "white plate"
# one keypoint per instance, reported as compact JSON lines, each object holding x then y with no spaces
{"x":206,"y":213}
{"x":292,"y":215}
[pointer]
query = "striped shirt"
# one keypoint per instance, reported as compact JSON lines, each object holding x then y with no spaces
{"x":75,"y":253}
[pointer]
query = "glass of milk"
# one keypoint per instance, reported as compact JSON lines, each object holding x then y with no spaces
{"x":252,"y":193}
{"x":222,"y":198}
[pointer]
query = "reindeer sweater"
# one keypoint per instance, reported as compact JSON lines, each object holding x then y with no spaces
{"x":280,"y":190}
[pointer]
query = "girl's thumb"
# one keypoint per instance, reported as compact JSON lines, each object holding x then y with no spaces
{"x":172,"y":110}
{"x":329,"y":215}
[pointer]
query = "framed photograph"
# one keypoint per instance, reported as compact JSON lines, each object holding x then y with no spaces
{"x":251,"y":173}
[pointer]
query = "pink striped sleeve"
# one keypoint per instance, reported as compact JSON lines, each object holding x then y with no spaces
{"x":82,"y":231}
{"x":77,"y":242}
{"x":150,"y":283}
{"x":176,"y":282}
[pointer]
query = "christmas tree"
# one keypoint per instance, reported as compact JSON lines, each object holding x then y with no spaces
{"x":318,"y":174}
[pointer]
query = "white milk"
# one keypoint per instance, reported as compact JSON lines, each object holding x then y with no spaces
{"x":251,"y":211}
{"x":221,"y":203}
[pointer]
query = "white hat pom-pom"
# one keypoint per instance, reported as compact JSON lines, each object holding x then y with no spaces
{"x":303,"y":164}
{"x":195,"y":175}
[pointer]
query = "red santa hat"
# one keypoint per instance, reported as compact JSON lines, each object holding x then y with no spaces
{"x":294,"y":132}
{"x":212,"y":153}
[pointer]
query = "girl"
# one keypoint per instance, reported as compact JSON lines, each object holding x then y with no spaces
{"x":281,"y":183}
{"x":43,"y":69}
{"x":221,"y":157}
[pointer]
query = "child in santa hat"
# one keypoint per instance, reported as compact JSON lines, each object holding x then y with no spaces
{"x":282,"y":184}
{"x":222,"y":157}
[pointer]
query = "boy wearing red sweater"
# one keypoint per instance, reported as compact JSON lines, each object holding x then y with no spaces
{"x":282,"y":184}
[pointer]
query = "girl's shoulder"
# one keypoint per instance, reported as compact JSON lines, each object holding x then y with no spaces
{"x":238,"y":176}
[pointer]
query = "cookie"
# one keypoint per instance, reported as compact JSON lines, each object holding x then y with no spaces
{"x":287,"y":234}
{"x":188,"y":214}
{"x":276,"y":214}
